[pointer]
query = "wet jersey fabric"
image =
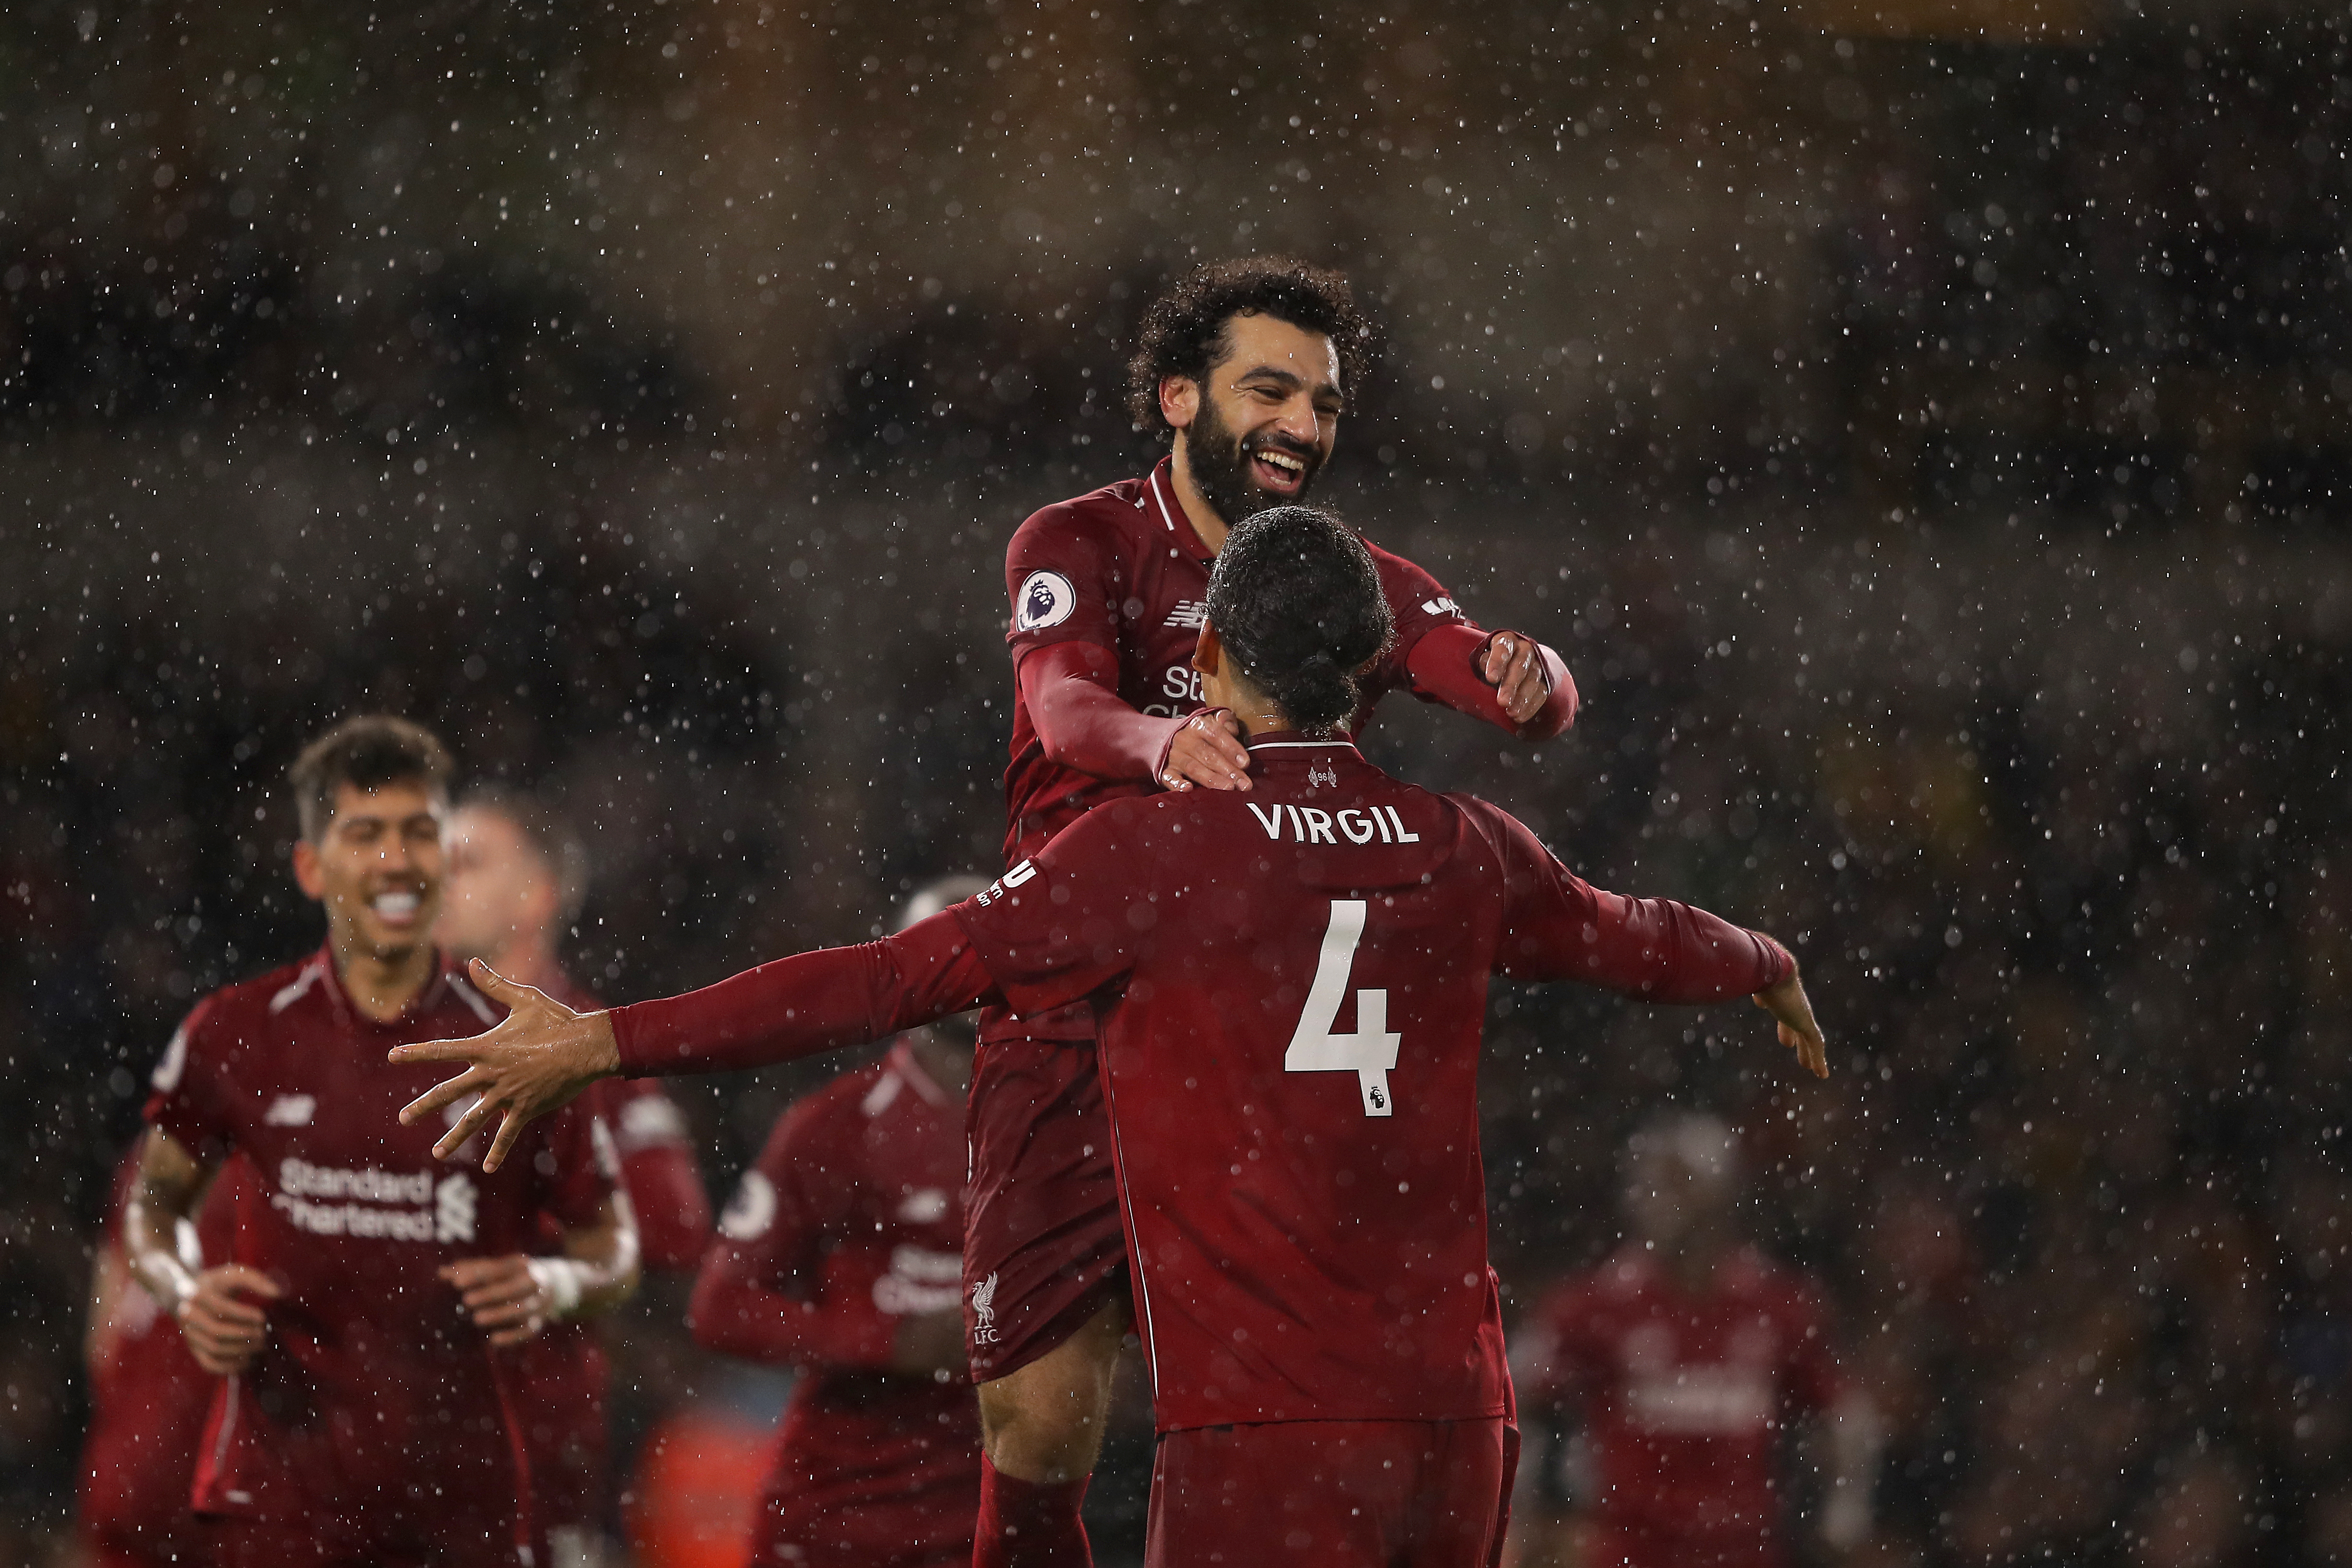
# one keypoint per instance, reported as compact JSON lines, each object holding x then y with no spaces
{"x":851,"y":1221}
{"x":1122,"y":568}
{"x":376,"y":1401}
{"x":1292,"y":985}
{"x":1684,"y":1399}
{"x":148,"y":1400}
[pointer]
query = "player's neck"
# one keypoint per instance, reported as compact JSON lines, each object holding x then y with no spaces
{"x":381,"y":986}
{"x":1203,"y":517}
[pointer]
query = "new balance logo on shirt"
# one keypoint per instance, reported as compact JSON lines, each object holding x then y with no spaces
{"x":1191,"y":615}
{"x":291,"y":1110}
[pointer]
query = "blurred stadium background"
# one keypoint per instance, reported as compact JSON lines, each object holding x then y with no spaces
{"x":1925,"y":430}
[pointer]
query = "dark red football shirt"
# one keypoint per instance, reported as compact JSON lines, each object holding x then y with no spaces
{"x":374,"y":1386}
{"x":148,"y":1397}
{"x":1684,"y":1399}
{"x":1122,"y":568}
{"x":852,"y":1219}
{"x":1292,"y":985}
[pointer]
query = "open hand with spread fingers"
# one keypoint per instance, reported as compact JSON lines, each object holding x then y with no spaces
{"x":537,"y":1061}
{"x":1789,"y":1007}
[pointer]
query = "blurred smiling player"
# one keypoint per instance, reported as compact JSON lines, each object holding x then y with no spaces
{"x":517,"y":878}
{"x":366,"y":1411}
{"x":1247,"y":366}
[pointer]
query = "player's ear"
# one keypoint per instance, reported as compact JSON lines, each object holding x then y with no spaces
{"x":1209,"y":653}
{"x":306,"y":869}
{"x":1180,"y":399}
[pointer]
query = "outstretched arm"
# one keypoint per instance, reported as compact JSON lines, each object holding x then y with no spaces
{"x":1557,"y":926}
{"x":545,"y":1053}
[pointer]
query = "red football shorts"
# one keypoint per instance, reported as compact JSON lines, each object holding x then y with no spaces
{"x":1042,"y":1245}
{"x":1337,"y":1494}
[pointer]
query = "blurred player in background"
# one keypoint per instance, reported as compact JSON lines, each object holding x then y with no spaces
{"x":1247,"y":366}
{"x":842,"y":1255}
{"x":1666,"y":1381}
{"x":516,"y":879}
{"x":360,"y":1325}
{"x":148,"y":1397}
{"x":1292,"y":988}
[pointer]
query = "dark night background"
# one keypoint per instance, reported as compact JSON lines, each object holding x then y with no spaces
{"x":1925,"y":433}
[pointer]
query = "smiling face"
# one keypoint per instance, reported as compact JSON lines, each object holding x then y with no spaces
{"x":375,"y":867}
{"x":1260,"y":431}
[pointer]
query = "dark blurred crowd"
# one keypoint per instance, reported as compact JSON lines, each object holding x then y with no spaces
{"x":2070,"y":331}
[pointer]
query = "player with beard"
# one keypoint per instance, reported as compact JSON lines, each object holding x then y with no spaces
{"x":841,"y":1255}
{"x":359,"y":1325}
{"x":1322,"y":1327}
{"x":516,"y":877}
{"x":1248,"y":365}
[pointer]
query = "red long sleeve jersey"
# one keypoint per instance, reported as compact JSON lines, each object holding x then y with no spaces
{"x":1685,"y":1400}
{"x":1292,"y":985}
{"x":851,"y":1221}
{"x":353,"y":1219}
{"x":1291,"y":1065}
{"x":1122,"y":568}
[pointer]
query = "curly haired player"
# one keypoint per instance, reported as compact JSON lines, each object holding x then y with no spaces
{"x":1246,"y":366}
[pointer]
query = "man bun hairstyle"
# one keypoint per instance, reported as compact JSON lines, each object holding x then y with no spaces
{"x":1183,"y":331}
{"x":550,"y":837}
{"x":366,"y":751}
{"x":1297,"y":604}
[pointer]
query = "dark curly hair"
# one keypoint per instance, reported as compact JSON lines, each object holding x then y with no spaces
{"x":1183,"y":331}
{"x":367,"y":752}
{"x":1298,"y":603}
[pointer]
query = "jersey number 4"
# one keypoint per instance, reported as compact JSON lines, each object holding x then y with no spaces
{"x":1372,"y":1051}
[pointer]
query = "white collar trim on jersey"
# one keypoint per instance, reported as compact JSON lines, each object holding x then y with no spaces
{"x":1299,"y":745}
{"x":1165,"y":516}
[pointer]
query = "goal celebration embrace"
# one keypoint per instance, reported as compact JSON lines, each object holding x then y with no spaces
{"x":1242,"y":967}
{"x":1195,"y":1069}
